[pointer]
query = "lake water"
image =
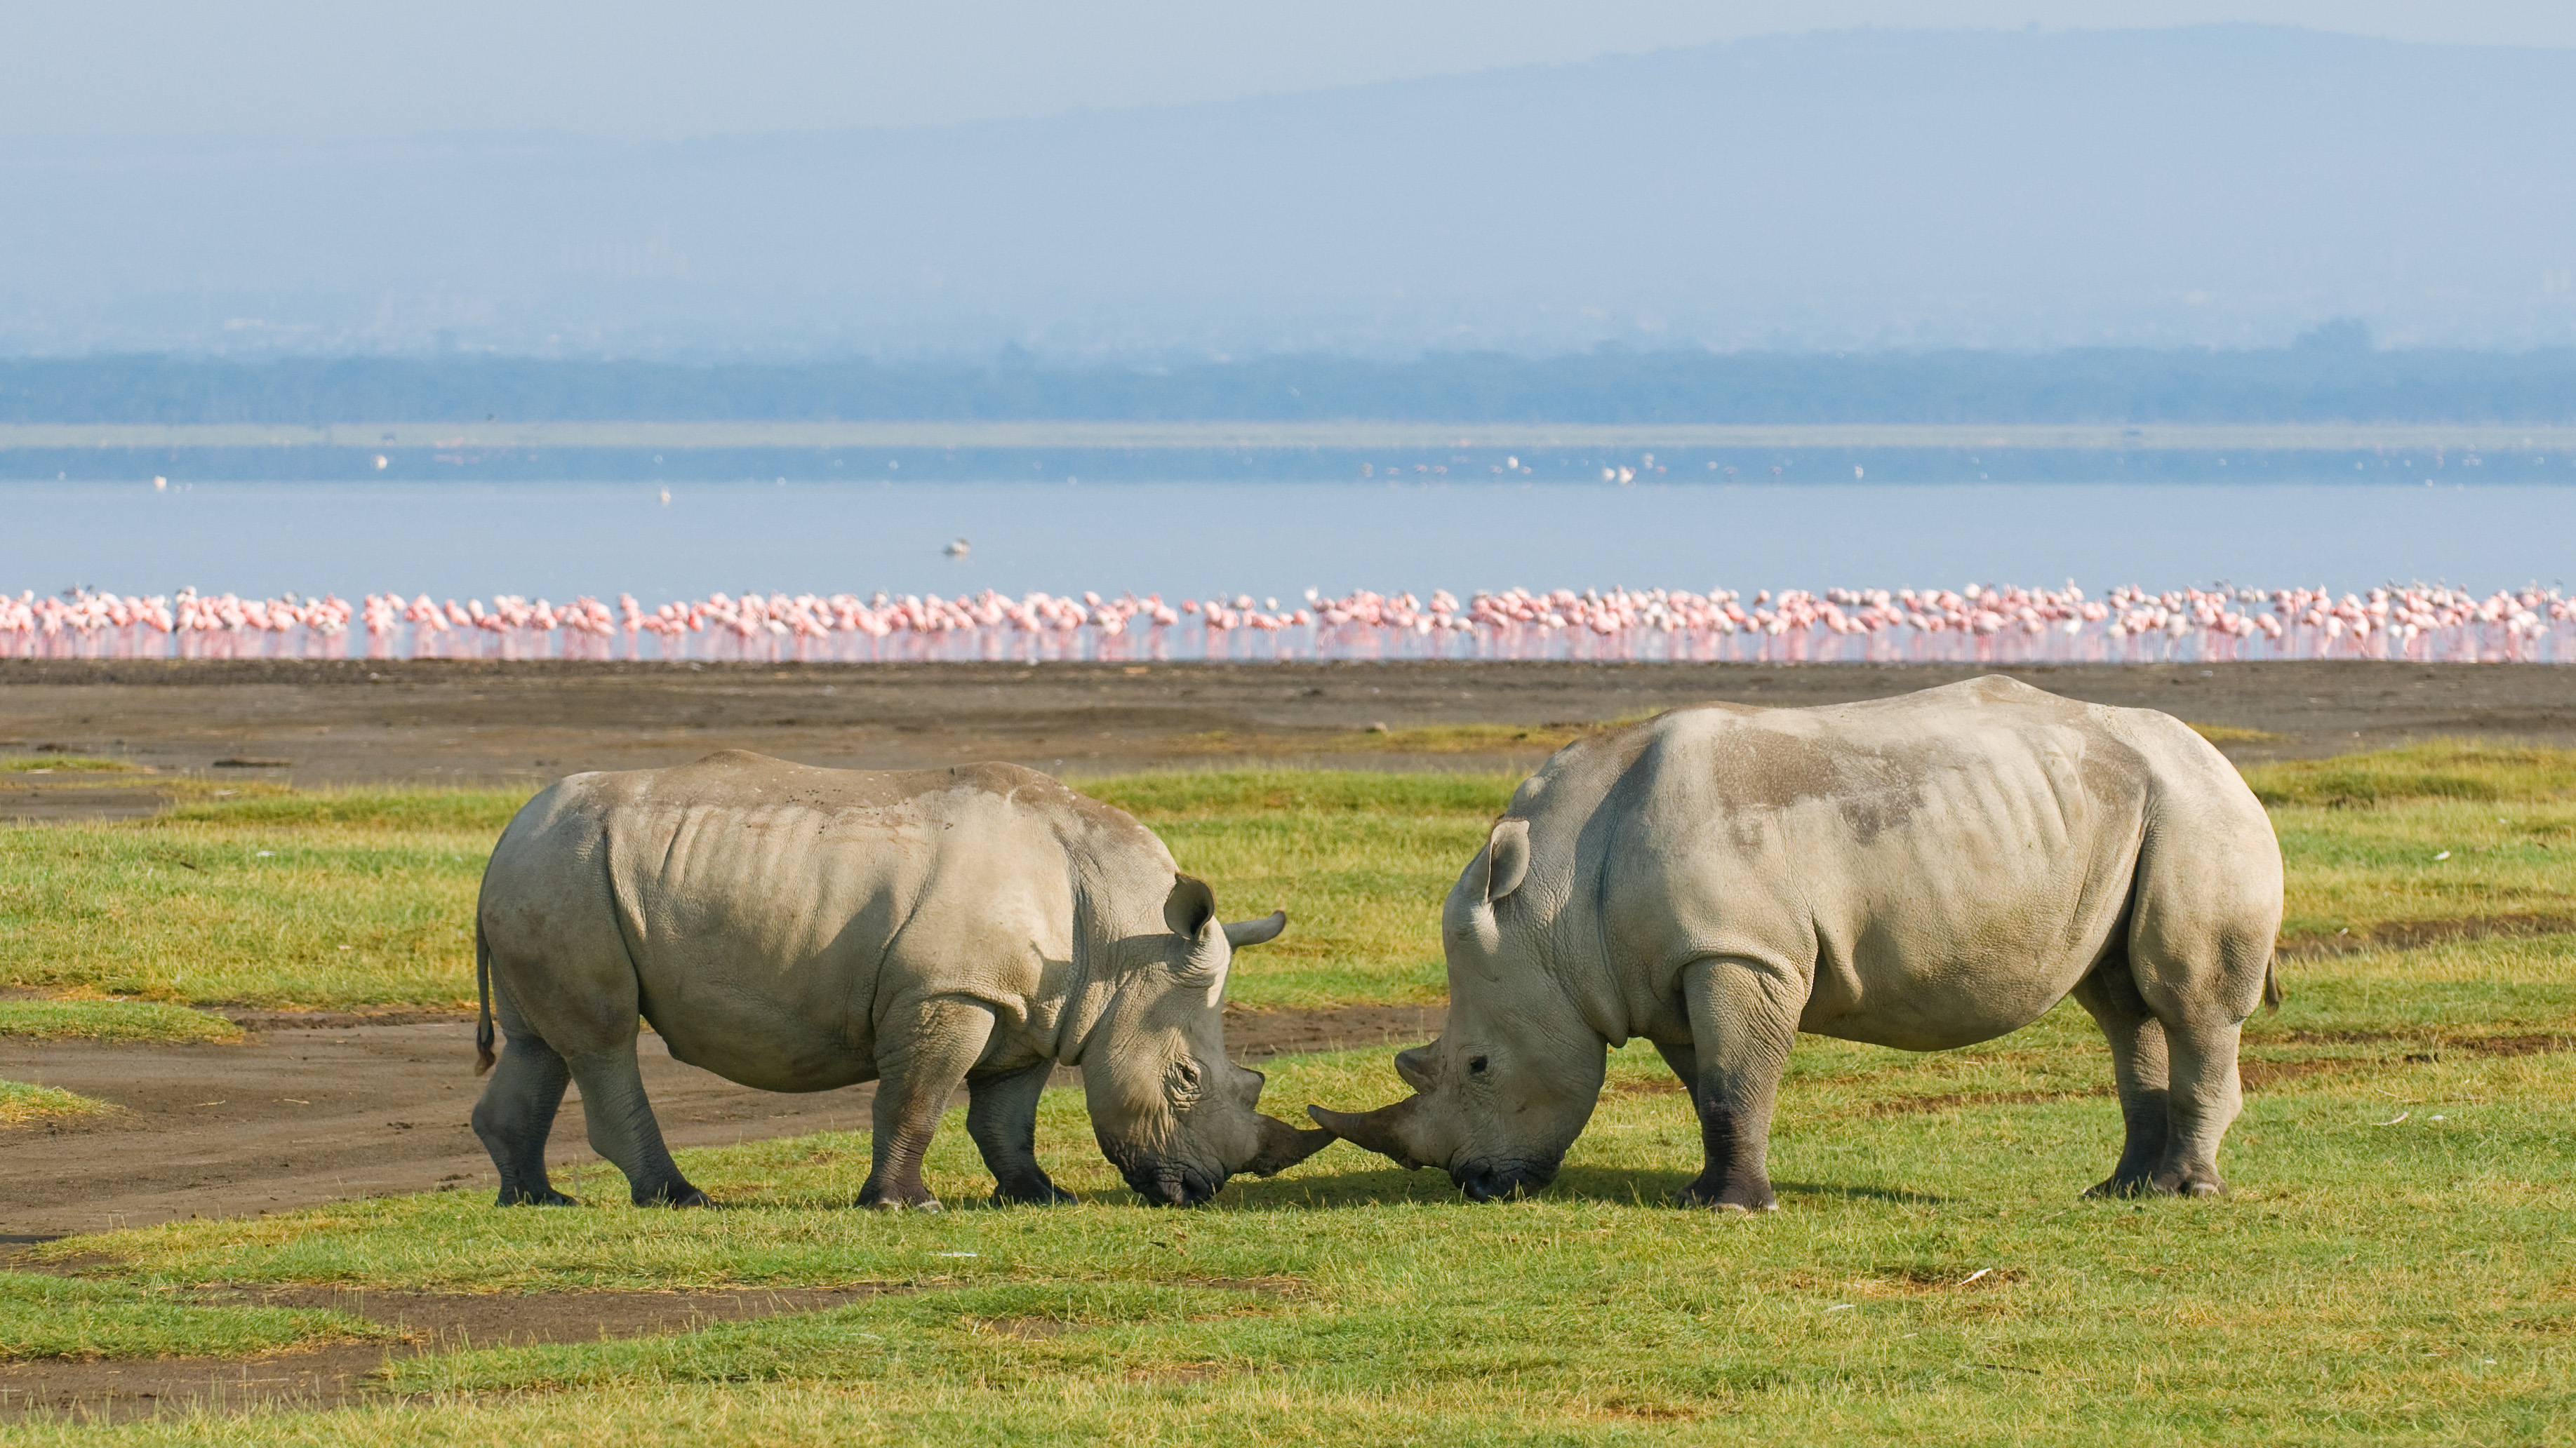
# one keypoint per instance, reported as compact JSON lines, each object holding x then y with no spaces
{"x":465,"y":539}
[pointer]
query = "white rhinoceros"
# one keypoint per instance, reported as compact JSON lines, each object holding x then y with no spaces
{"x":799,"y":929}
{"x":1925,"y":872}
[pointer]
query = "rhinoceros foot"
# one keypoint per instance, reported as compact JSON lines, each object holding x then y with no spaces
{"x":898,"y":1202}
{"x":512,"y":1197}
{"x":1723,"y":1196}
{"x":1044,"y":1194}
{"x":2161,"y":1184}
{"x":684,"y":1195}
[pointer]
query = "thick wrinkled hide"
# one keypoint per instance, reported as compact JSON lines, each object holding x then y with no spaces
{"x":1925,"y":872}
{"x":801,"y":929}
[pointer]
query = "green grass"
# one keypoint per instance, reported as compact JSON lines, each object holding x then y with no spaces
{"x":112,"y":1020}
{"x":2369,"y":1278}
{"x":2393,"y":1264}
{"x":21,"y":1103}
{"x":365,"y":897}
{"x":51,"y":1317}
{"x":1360,"y":862}
{"x":67,"y":764}
{"x":324,"y":898}
{"x":2439,"y":769}
{"x":2445,"y":831}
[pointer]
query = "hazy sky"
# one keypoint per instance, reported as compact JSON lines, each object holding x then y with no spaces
{"x":324,"y":69}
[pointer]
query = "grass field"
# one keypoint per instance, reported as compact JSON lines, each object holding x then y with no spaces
{"x":2392,"y":1265}
{"x":112,"y":1020}
{"x":365,"y":897}
{"x":2396,"y":1261}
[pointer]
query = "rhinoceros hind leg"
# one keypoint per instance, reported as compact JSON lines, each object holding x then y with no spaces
{"x":1002,"y":1117}
{"x":925,"y":1053}
{"x":623,"y":1130}
{"x":2204,"y":1101}
{"x":2138,"y":1066}
{"x":1744,"y":1019}
{"x":515,"y":1116}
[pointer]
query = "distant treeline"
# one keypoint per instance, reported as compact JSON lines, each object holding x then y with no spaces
{"x":2326,"y":380}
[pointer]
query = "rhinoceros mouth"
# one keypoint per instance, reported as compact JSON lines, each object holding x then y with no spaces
{"x":1501,"y":1181}
{"x":1173,"y":1186}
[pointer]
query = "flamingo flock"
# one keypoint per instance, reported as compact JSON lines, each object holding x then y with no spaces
{"x":1976,"y":624}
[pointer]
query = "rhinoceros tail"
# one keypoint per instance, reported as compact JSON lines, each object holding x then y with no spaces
{"x":2272,"y":983}
{"x":483,"y":1057}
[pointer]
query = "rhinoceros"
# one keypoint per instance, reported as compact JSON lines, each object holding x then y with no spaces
{"x":799,"y":929}
{"x":1925,"y":872}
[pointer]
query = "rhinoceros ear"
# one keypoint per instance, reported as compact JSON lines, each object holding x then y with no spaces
{"x":1189,"y":907}
{"x":1507,"y":858}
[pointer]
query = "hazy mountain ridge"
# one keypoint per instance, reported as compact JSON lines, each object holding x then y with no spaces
{"x":2211,"y":186}
{"x":2328,"y":380}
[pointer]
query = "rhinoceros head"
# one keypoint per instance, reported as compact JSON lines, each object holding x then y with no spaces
{"x":1170,"y":1111}
{"x":1512,"y":1080}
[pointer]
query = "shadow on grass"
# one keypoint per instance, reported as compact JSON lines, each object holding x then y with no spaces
{"x":1615,"y":1185}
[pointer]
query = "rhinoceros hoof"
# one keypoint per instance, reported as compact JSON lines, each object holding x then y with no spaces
{"x":1050,"y":1195}
{"x":685,"y":1197}
{"x":1719,"y":1198}
{"x":548,"y":1198}
{"x":898,"y":1204}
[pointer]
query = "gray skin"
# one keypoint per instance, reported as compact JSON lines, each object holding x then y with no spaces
{"x":801,"y":929}
{"x":1925,"y":872}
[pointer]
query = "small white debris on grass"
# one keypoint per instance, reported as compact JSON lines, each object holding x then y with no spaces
{"x":956,"y":1254}
{"x":2392,"y":1121}
{"x":1973,"y":1276}
{"x":2443,"y":856}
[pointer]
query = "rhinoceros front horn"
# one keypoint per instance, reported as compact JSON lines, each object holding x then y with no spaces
{"x":1283,"y":1146}
{"x":1375,"y":1130}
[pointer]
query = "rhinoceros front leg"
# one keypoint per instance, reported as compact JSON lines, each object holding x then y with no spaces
{"x":1002,"y":1116}
{"x":2138,"y":1066}
{"x":925,"y":1054}
{"x":1744,"y":1018}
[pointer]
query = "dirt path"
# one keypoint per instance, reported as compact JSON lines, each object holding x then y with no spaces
{"x":327,"y":1107}
{"x":321,"y":723}
{"x":110,"y":1390}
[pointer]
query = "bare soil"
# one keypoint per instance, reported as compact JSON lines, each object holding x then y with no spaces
{"x":339,"y":1375}
{"x":317,"y":1107}
{"x":324,"y":1106}
{"x":329,"y":1105}
{"x":479,"y":722}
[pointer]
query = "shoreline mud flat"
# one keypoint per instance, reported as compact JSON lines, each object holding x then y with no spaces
{"x":483,"y":722}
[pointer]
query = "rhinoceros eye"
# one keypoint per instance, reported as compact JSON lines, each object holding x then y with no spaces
{"x":1477,"y":1066}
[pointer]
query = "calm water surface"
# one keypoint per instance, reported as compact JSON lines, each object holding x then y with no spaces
{"x":1265,"y":539}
